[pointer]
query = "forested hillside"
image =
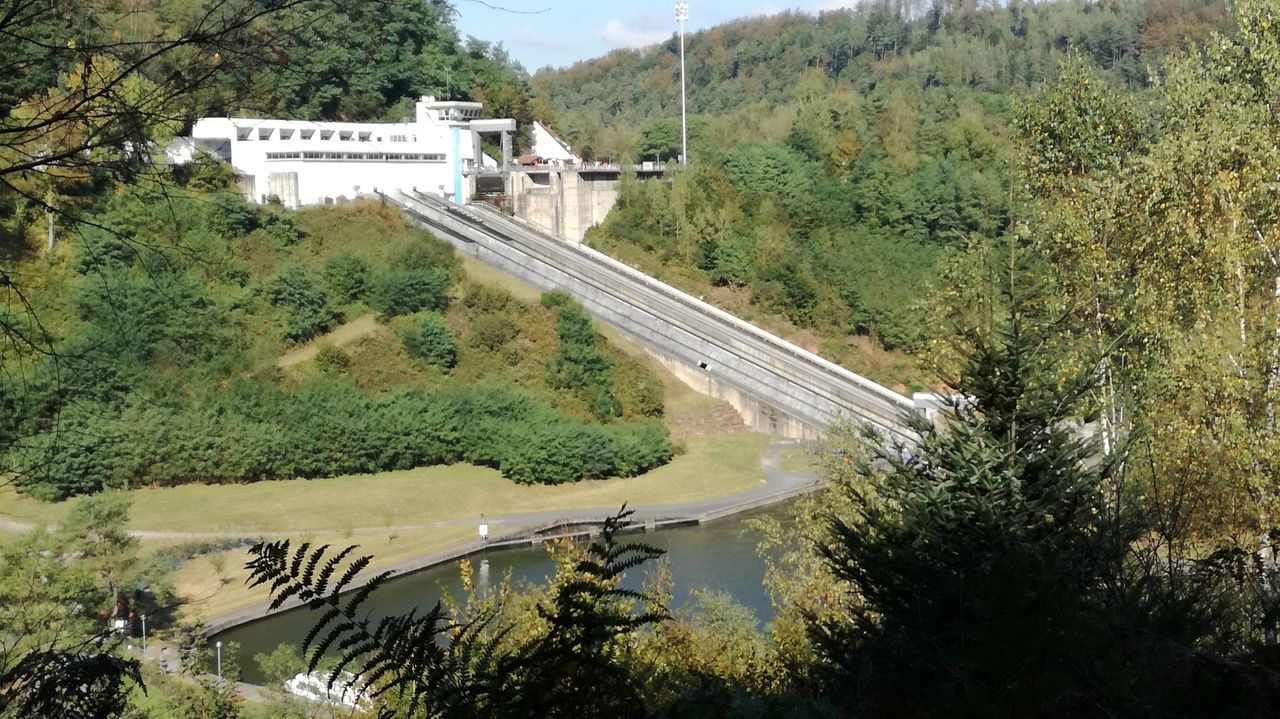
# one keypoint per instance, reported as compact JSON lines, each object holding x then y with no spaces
{"x":173,"y":311}
{"x":838,"y":160}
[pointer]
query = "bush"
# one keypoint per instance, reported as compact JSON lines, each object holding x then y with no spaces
{"x":491,"y":332}
{"x":406,"y":292}
{"x":332,"y":360}
{"x":279,"y":226}
{"x":433,"y":342}
{"x":423,"y":254}
{"x":556,"y":298}
{"x":346,"y":276}
{"x":307,"y":311}
{"x":487,"y":300}
{"x":253,"y":431}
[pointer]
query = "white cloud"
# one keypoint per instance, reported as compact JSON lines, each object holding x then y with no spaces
{"x":637,"y":32}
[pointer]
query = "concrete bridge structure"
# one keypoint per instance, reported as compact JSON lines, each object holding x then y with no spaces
{"x":562,"y":199}
{"x":776,"y":386}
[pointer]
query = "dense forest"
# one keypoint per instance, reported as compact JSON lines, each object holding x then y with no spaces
{"x":839,"y":160}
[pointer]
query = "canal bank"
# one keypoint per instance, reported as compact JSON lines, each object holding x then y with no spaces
{"x":517,"y":530}
{"x":719,"y":555}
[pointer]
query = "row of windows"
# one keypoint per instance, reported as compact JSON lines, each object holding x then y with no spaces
{"x":359,"y":156}
{"x":264,"y":133}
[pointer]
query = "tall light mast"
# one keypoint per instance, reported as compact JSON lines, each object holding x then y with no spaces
{"x":682,"y":16}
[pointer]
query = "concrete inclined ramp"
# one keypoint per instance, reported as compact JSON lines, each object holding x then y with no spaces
{"x":777,"y":386}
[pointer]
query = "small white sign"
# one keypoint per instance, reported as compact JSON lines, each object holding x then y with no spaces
{"x":484,"y":532}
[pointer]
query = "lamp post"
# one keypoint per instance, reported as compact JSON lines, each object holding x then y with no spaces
{"x":219,"y":646}
{"x":682,"y":16}
{"x":144,"y":634}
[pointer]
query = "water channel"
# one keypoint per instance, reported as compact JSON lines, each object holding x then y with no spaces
{"x":718,"y":555}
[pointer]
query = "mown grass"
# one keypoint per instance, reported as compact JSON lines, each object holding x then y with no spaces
{"x":213,"y":584}
{"x":711,"y":466}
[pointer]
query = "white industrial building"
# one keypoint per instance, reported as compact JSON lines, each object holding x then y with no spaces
{"x":551,"y":148}
{"x":299,"y":162}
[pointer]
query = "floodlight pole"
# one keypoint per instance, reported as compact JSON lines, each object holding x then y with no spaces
{"x":682,"y":16}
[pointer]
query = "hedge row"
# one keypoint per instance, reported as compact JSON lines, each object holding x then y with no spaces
{"x":258,"y":432}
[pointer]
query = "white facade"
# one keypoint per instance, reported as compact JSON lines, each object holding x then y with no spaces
{"x":549,"y":147}
{"x":300,"y":162}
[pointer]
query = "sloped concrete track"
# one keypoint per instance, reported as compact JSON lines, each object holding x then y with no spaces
{"x":778,"y":387}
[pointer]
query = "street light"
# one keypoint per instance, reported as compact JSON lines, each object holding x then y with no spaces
{"x":219,"y":646}
{"x":144,"y":634}
{"x":682,"y":16}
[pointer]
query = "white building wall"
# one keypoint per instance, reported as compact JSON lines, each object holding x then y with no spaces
{"x":335,"y":160}
{"x":549,"y":147}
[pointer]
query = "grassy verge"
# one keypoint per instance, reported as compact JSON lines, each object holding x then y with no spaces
{"x":214,"y":584}
{"x":712,"y":466}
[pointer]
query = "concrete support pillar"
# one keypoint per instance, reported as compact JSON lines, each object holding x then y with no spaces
{"x":506,"y":151}
{"x":477,"y":153}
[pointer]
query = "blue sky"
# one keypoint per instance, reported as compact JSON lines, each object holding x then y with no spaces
{"x":572,"y":30}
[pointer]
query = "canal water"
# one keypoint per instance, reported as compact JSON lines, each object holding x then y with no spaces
{"x":718,"y":555}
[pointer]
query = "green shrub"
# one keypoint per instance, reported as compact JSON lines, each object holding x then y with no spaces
{"x":278,"y":225}
{"x":422,"y":254}
{"x":486,"y":299}
{"x":332,"y":360}
{"x":307,"y":310}
{"x":229,"y":215}
{"x":556,"y":298}
{"x":492,"y":331}
{"x":406,"y":292}
{"x":347,"y":276}
{"x":253,"y":431}
{"x":432,"y":342}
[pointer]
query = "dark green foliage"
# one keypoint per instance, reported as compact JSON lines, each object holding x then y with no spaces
{"x":555,"y":298}
{"x":278,"y":225}
{"x":347,"y":276}
{"x":132,"y":317}
{"x":580,"y":364}
{"x":229,"y":215}
{"x":407,"y":291}
{"x":997,"y":568}
{"x":61,"y":683}
{"x":424,"y":664}
{"x":432,"y":342}
{"x":306,"y":306}
{"x":253,"y":431}
{"x":424,"y":254}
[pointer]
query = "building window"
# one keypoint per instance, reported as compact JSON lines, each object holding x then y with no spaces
{"x":306,"y":134}
{"x":264,"y":133}
{"x":244,"y":133}
{"x":326,"y":134}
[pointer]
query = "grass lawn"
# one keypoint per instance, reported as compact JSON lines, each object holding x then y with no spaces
{"x":712,"y":466}
{"x":214,"y":584}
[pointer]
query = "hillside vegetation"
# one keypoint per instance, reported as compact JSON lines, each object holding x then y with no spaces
{"x":839,"y":160}
{"x":172,"y":309}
